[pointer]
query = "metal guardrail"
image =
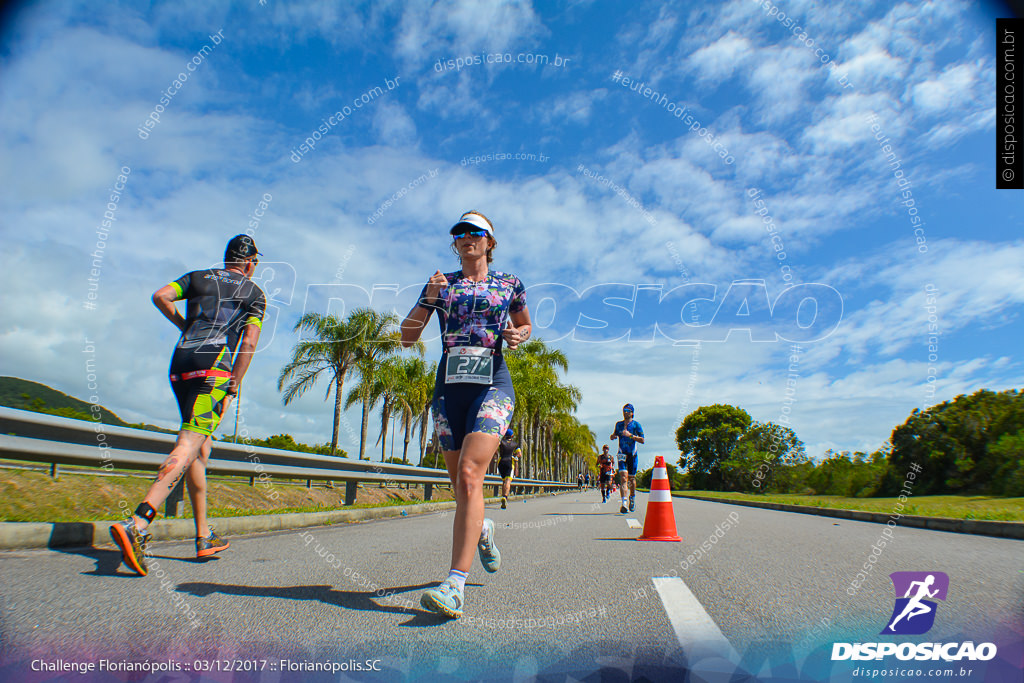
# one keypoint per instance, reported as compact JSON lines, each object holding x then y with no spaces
{"x":37,"y":437}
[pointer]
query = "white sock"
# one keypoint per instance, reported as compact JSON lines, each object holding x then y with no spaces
{"x":459,"y":578}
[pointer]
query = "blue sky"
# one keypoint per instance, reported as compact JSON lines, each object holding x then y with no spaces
{"x":593,"y":187}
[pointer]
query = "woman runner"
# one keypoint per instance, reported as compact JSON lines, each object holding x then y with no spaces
{"x":479,"y":311}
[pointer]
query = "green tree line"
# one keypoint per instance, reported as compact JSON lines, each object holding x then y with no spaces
{"x":971,"y":445}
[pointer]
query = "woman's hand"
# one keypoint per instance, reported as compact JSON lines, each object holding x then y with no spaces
{"x":436,"y":283}
{"x":511,"y":336}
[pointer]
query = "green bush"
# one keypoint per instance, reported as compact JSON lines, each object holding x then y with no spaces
{"x":675,"y":479}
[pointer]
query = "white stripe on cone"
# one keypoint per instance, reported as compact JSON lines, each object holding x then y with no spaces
{"x":659,"y":496}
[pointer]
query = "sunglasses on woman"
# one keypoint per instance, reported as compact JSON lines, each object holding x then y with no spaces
{"x":471,"y":233}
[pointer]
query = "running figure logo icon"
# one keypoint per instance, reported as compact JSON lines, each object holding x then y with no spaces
{"x":913,"y":613}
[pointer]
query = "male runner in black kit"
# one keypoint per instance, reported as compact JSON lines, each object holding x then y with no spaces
{"x":224,"y":307}
{"x":508,"y":453}
{"x":605,"y":463}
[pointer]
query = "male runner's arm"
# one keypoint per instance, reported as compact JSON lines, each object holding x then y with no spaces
{"x":250,"y":337}
{"x":615,"y":431}
{"x":164,"y":299}
{"x":640,"y":431}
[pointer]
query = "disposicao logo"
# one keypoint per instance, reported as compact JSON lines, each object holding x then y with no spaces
{"x":914,"y":614}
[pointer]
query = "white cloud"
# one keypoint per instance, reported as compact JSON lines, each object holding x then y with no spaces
{"x":948,"y":91}
{"x":721,"y":59}
{"x":572,"y":108}
{"x":976,"y":284}
{"x":780,"y":78}
{"x":393,"y":125}
{"x":463,"y":28}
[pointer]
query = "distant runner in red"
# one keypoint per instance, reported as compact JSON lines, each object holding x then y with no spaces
{"x":605,"y":465}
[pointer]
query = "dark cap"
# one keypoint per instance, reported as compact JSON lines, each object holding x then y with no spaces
{"x":240,"y":248}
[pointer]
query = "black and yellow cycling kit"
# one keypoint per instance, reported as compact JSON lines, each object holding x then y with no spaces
{"x":221,"y":303}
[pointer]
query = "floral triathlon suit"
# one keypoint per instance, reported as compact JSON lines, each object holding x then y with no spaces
{"x":472,"y":314}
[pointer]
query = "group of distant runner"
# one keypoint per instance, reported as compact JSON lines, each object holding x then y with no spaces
{"x":480,"y":312}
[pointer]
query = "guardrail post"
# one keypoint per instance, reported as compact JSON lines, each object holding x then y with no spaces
{"x":252,"y":481}
{"x":309,"y":483}
{"x":428,"y":491}
{"x":175,"y":506}
{"x":54,"y":471}
{"x":350,"y":492}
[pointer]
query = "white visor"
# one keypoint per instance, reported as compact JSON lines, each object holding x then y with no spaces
{"x":474,"y":219}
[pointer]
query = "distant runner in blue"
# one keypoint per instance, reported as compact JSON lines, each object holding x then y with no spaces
{"x":629,"y":433}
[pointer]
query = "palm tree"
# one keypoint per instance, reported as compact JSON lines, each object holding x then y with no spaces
{"x":378,"y":338}
{"x":426,"y":396}
{"x":540,"y":396}
{"x":571,"y":438}
{"x":414,"y":390}
{"x":380,"y":389}
{"x":331,"y":350}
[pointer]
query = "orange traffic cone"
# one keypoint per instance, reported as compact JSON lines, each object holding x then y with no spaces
{"x":660,"y":522}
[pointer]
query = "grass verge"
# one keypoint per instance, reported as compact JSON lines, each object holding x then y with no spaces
{"x":956,"y":507}
{"x":32,"y":496}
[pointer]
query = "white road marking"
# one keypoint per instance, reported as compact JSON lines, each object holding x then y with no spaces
{"x":634,"y":524}
{"x":694,"y":627}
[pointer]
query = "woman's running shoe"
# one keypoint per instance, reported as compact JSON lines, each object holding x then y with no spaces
{"x":446,"y":599}
{"x":490,"y":558}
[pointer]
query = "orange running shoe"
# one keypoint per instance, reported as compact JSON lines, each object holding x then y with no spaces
{"x":210,"y":545}
{"x":132,"y":543}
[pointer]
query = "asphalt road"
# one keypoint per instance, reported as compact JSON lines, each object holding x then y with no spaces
{"x":575,"y":594}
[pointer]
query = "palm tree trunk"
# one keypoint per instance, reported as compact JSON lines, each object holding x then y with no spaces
{"x":527,"y":448}
{"x":525,"y":464}
{"x":538,"y":448}
{"x":385,"y":416}
{"x":338,"y":382}
{"x":542,"y":464}
{"x":423,"y":435}
{"x":364,"y":427}
{"x":407,"y":417}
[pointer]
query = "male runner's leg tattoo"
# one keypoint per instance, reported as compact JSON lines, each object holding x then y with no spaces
{"x":166,"y":467}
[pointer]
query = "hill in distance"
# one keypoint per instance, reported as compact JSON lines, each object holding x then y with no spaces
{"x":39,"y":398}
